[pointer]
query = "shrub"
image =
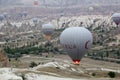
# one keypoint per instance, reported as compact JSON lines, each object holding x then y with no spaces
{"x":93,"y":74}
{"x":23,"y":77}
{"x":111,"y":74}
{"x":57,"y":68}
{"x":32,"y":64}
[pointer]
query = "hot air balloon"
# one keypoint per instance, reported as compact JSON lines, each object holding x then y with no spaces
{"x":48,"y":30}
{"x":116,"y":18}
{"x":20,"y":14}
{"x":91,"y":8}
{"x":35,"y":2}
{"x":1,"y":17}
{"x":24,"y":14}
{"x":5,"y":14}
{"x":97,"y":5}
{"x":76,"y":41}
{"x":35,"y":20}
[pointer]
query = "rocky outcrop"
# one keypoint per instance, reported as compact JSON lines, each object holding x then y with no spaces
{"x":3,"y":58}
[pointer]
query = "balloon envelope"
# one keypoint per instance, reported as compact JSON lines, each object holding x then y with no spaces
{"x":35,"y":2}
{"x":91,"y":8}
{"x":1,"y":17}
{"x":35,"y":20}
{"x":76,"y":41}
{"x":116,"y":18}
{"x":24,"y":14}
{"x":20,"y":14}
{"x":5,"y":14}
{"x":48,"y":29}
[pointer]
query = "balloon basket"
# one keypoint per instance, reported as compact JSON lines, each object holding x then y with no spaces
{"x":48,"y":37}
{"x":76,"y":62}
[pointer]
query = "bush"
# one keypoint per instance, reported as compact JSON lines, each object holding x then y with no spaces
{"x":57,"y":68}
{"x":16,"y":59}
{"x":23,"y":77}
{"x":32,"y":64}
{"x":93,"y":74}
{"x":56,"y":49}
{"x":46,"y":56}
{"x":111,"y":74}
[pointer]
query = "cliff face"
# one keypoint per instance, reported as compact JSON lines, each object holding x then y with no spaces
{"x":3,"y":58}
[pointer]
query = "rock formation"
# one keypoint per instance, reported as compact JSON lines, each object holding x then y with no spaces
{"x":3,"y":58}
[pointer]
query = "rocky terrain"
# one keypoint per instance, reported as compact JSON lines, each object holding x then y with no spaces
{"x":59,"y":69}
